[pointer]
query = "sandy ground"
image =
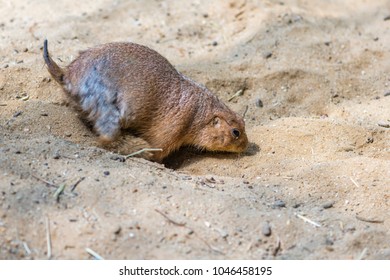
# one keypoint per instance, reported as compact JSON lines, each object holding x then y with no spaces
{"x":314,"y":183}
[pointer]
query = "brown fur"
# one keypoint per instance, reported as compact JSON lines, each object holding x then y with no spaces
{"x":129,"y":86}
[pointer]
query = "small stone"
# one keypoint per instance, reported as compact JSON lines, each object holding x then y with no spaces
{"x":328,"y":205}
{"x":386,"y":18}
{"x":117,"y":230}
{"x":259,"y":103}
{"x":118,"y":158}
{"x":56,"y":156}
{"x":297,"y":205}
{"x":329,"y":242}
{"x":384,"y":124}
{"x":279,"y":204}
{"x":387,"y":93}
{"x":68,"y":134}
{"x":267,"y":55}
{"x":106,"y":173}
{"x":215,"y":43}
{"x":266,"y":229}
{"x":223,"y":233}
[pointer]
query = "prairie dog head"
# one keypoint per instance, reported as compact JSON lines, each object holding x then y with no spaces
{"x":223,"y":132}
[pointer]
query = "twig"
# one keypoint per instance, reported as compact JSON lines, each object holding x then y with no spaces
{"x":184,"y":225}
{"x":144,"y":150}
{"x":46,"y":182}
{"x":369,"y":220}
{"x":48,"y":238}
{"x":212,"y":248}
{"x":75,"y":184}
{"x":169,"y":219}
{"x":238,"y":93}
{"x":246,"y":110}
{"x":58,"y":192}
{"x":94,"y":254}
{"x":278,"y":247}
{"x":308,"y":220}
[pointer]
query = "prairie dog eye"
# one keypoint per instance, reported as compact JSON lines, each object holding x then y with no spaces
{"x":236,"y":133}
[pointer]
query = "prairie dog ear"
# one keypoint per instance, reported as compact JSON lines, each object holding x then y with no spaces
{"x":216,"y":121}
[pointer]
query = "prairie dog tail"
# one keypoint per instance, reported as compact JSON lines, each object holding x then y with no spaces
{"x":55,"y":71}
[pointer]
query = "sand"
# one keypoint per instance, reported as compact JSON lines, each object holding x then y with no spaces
{"x":315,"y":93}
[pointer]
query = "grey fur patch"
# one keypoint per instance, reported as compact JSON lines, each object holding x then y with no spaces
{"x":99,"y":98}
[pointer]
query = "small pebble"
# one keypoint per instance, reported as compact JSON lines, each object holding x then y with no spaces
{"x":384,"y":124}
{"x":267,"y":55}
{"x":386,"y":18}
{"x":215,"y":43}
{"x":279,"y":204}
{"x":68,"y":134}
{"x":259,"y":103}
{"x":106,"y":173}
{"x":56,"y":156}
{"x":387,"y":93}
{"x":117,"y":230}
{"x":266,"y":229}
{"x":223,"y":233}
{"x":296,"y":205}
{"x":329,"y":242}
{"x":118,"y":158}
{"x":328,"y":205}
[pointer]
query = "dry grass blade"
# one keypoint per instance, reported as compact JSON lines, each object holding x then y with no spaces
{"x":370,"y":220}
{"x":184,"y":225}
{"x":26,"y":248}
{"x":363,"y":254}
{"x":94,"y":254}
{"x":169,"y":219}
{"x":58,"y":192}
{"x":278,"y":246}
{"x":238,"y":93}
{"x":45,"y":181}
{"x":75,"y":184}
{"x":308,"y":220}
{"x":354,"y":182}
{"x":144,"y":150}
{"x":48,"y":238}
